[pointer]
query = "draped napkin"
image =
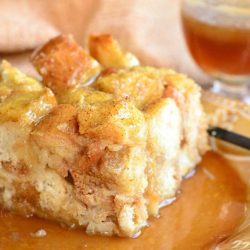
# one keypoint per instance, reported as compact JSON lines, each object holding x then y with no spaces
{"x":151,"y":29}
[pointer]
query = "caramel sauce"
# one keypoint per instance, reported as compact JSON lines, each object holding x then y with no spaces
{"x":209,"y":207}
{"x":218,"y":47}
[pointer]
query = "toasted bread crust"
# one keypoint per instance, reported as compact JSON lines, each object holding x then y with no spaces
{"x":64,"y":64}
{"x":107,"y":51}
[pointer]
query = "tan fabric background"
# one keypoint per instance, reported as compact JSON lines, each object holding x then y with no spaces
{"x":149,"y":28}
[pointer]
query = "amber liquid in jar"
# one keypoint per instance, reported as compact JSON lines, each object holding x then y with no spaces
{"x":218,"y":39}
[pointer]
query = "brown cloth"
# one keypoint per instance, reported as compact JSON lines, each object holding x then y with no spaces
{"x":21,"y":28}
{"x":149,"y":28}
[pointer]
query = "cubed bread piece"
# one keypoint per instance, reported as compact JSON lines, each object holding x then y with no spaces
{"x":107,"y":51}
{"x":56,"y":139}
{"x":187,"y":95}
{"x":163,"y":148}
{"x":117,"y":121}
{"x":22,"y":98}
{"x":63,"y":63}
{"x":143,"y":85}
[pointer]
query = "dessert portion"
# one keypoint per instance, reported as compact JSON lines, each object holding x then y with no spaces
{"x":101,"y":142}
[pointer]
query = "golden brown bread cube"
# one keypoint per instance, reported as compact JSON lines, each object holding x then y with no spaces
{"x":103,"y":157}
{"x":22,"y":99}
{"x":187,"y":95}
{"x":163,"y":147}
{"x":63,"y":63}
{"x":143,"y":85}
{"x":117,"y":121}
{"x":56,"y":135}
{"x":107,"y":51}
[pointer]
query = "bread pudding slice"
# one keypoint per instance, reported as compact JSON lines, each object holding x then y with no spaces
{"x":102,"y":142}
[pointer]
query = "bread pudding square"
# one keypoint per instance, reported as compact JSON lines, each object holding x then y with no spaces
{"x":101,"y":142}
